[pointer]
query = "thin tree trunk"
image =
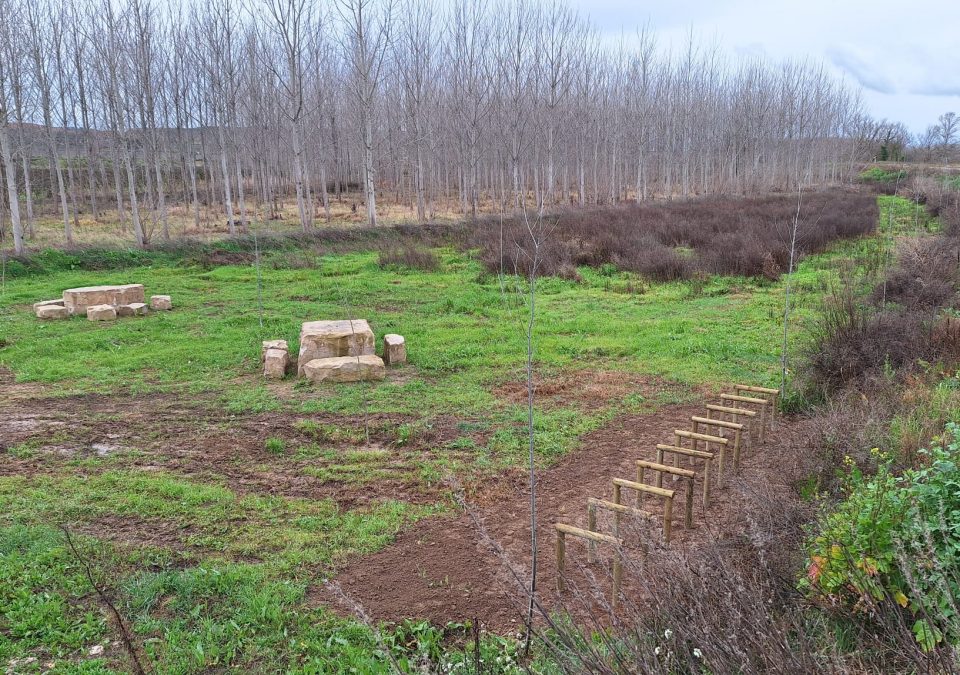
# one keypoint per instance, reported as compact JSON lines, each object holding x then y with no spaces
{"x":12,"y":193}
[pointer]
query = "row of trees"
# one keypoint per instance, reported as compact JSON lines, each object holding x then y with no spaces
{"x":941,"y":141}
{"x":136,"y":107}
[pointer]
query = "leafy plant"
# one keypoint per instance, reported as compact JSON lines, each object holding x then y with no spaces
{"x":877,"y":175}
{"x":894,"y":543}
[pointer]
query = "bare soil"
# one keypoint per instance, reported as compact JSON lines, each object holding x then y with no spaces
{"x":472,"y":567}
{"x":193,"y":439}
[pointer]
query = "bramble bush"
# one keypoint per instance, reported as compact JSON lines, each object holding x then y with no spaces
{"x":877,"y":175}
{"x":893,"y":544}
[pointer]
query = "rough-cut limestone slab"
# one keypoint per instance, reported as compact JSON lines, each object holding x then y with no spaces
{"x":78,"y":299}
{"x":130,"y":294}
{"x":275,"y":363}
{"x":101,"y":313}
{"x":394,"y":349}
{"x":133,"y":309}
{"x":345,"y":369}
{"x":160,"y":302}
{"x":328,"y":339}
{"x":53,"y":312}
{"x":47,"y":303}
{"x":273,"y":344}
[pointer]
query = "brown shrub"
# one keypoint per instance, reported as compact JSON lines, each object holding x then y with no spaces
{"x":771,"y":270}
{"x":409,"y":256}
{"x":925,"y":275}
{"x":672,"y":240}
{"x":945,"y":339}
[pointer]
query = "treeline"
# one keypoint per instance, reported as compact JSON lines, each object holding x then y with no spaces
{"x":139,"y":106}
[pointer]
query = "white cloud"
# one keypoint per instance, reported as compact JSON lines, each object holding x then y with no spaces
{"x":906,"y":57}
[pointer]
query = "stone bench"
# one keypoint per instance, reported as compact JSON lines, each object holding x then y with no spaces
{"x":345,"y":369}
{"x":77,"y":300}
{"x":333,"y":339}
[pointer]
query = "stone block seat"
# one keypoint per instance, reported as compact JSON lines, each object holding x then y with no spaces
{"x":334,"y":339}
{"x":345,"y":369}
{"x":77,"y":300}
{"x":394,"y":349}
{"x":101,"y":312}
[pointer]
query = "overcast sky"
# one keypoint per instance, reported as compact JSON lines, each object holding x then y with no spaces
{"x":904,"y":54}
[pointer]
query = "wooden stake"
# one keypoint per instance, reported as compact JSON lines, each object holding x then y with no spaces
{"x":561,"y":553}
{"x":592,"y":526}
{"x":617,"y":580}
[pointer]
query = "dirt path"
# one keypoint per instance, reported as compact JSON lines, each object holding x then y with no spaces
{"x":443,"y":569}
{"x":446,"y":569}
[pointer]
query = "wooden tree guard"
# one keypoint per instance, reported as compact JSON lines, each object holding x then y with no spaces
{"x":720,"y":424}
{"x":659,"y":491}
{"x":680,"y":434}
{"x":735,"y":415}
{"x":618,"y":510}
{"x":762,"y":402}
{"x":563,"y":530}
{"x":679,"y":450}
{"x":688,"y":475}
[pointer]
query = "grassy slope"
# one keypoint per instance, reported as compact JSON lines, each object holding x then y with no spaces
{"x":464,"y":337}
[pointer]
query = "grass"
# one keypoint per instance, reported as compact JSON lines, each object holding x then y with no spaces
{"x":464,"y":337}
{"x":463,"y":333}
{"x":208,"y":520}
{"x":222,"y":578}
{"x":900,"y":217}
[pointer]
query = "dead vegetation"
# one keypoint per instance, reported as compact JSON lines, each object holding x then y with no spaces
{"x":676,"y":240}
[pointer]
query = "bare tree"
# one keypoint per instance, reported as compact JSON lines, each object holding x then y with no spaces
{"x":6,"y":154}
{"x":365,"y":43}
{"x":245,"y":106}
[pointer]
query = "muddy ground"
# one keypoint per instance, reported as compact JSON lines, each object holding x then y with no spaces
{"x":465,"y":566}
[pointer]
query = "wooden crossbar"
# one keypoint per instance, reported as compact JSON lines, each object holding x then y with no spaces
{"x":680,"y":450}
{"x":688,"y":452}
{"x":683,"y":433}
{"x":686,"y":474}
{"x":659,"y":491}
{"x":641,"y":487}
{"x":736,"y":427}
{"x":744,"y":399}
{"x":717,"y":423}
{"x":666,"y":468}
{"x":731,"y":411}
{"x":587,"y":534}
{"x":756,"y":390}
{"x":563,"y":530}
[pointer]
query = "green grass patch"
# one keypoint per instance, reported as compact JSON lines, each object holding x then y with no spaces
{"x":215,"y":521}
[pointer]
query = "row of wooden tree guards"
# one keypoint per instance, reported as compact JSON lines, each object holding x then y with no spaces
{"x":737,"y":423}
